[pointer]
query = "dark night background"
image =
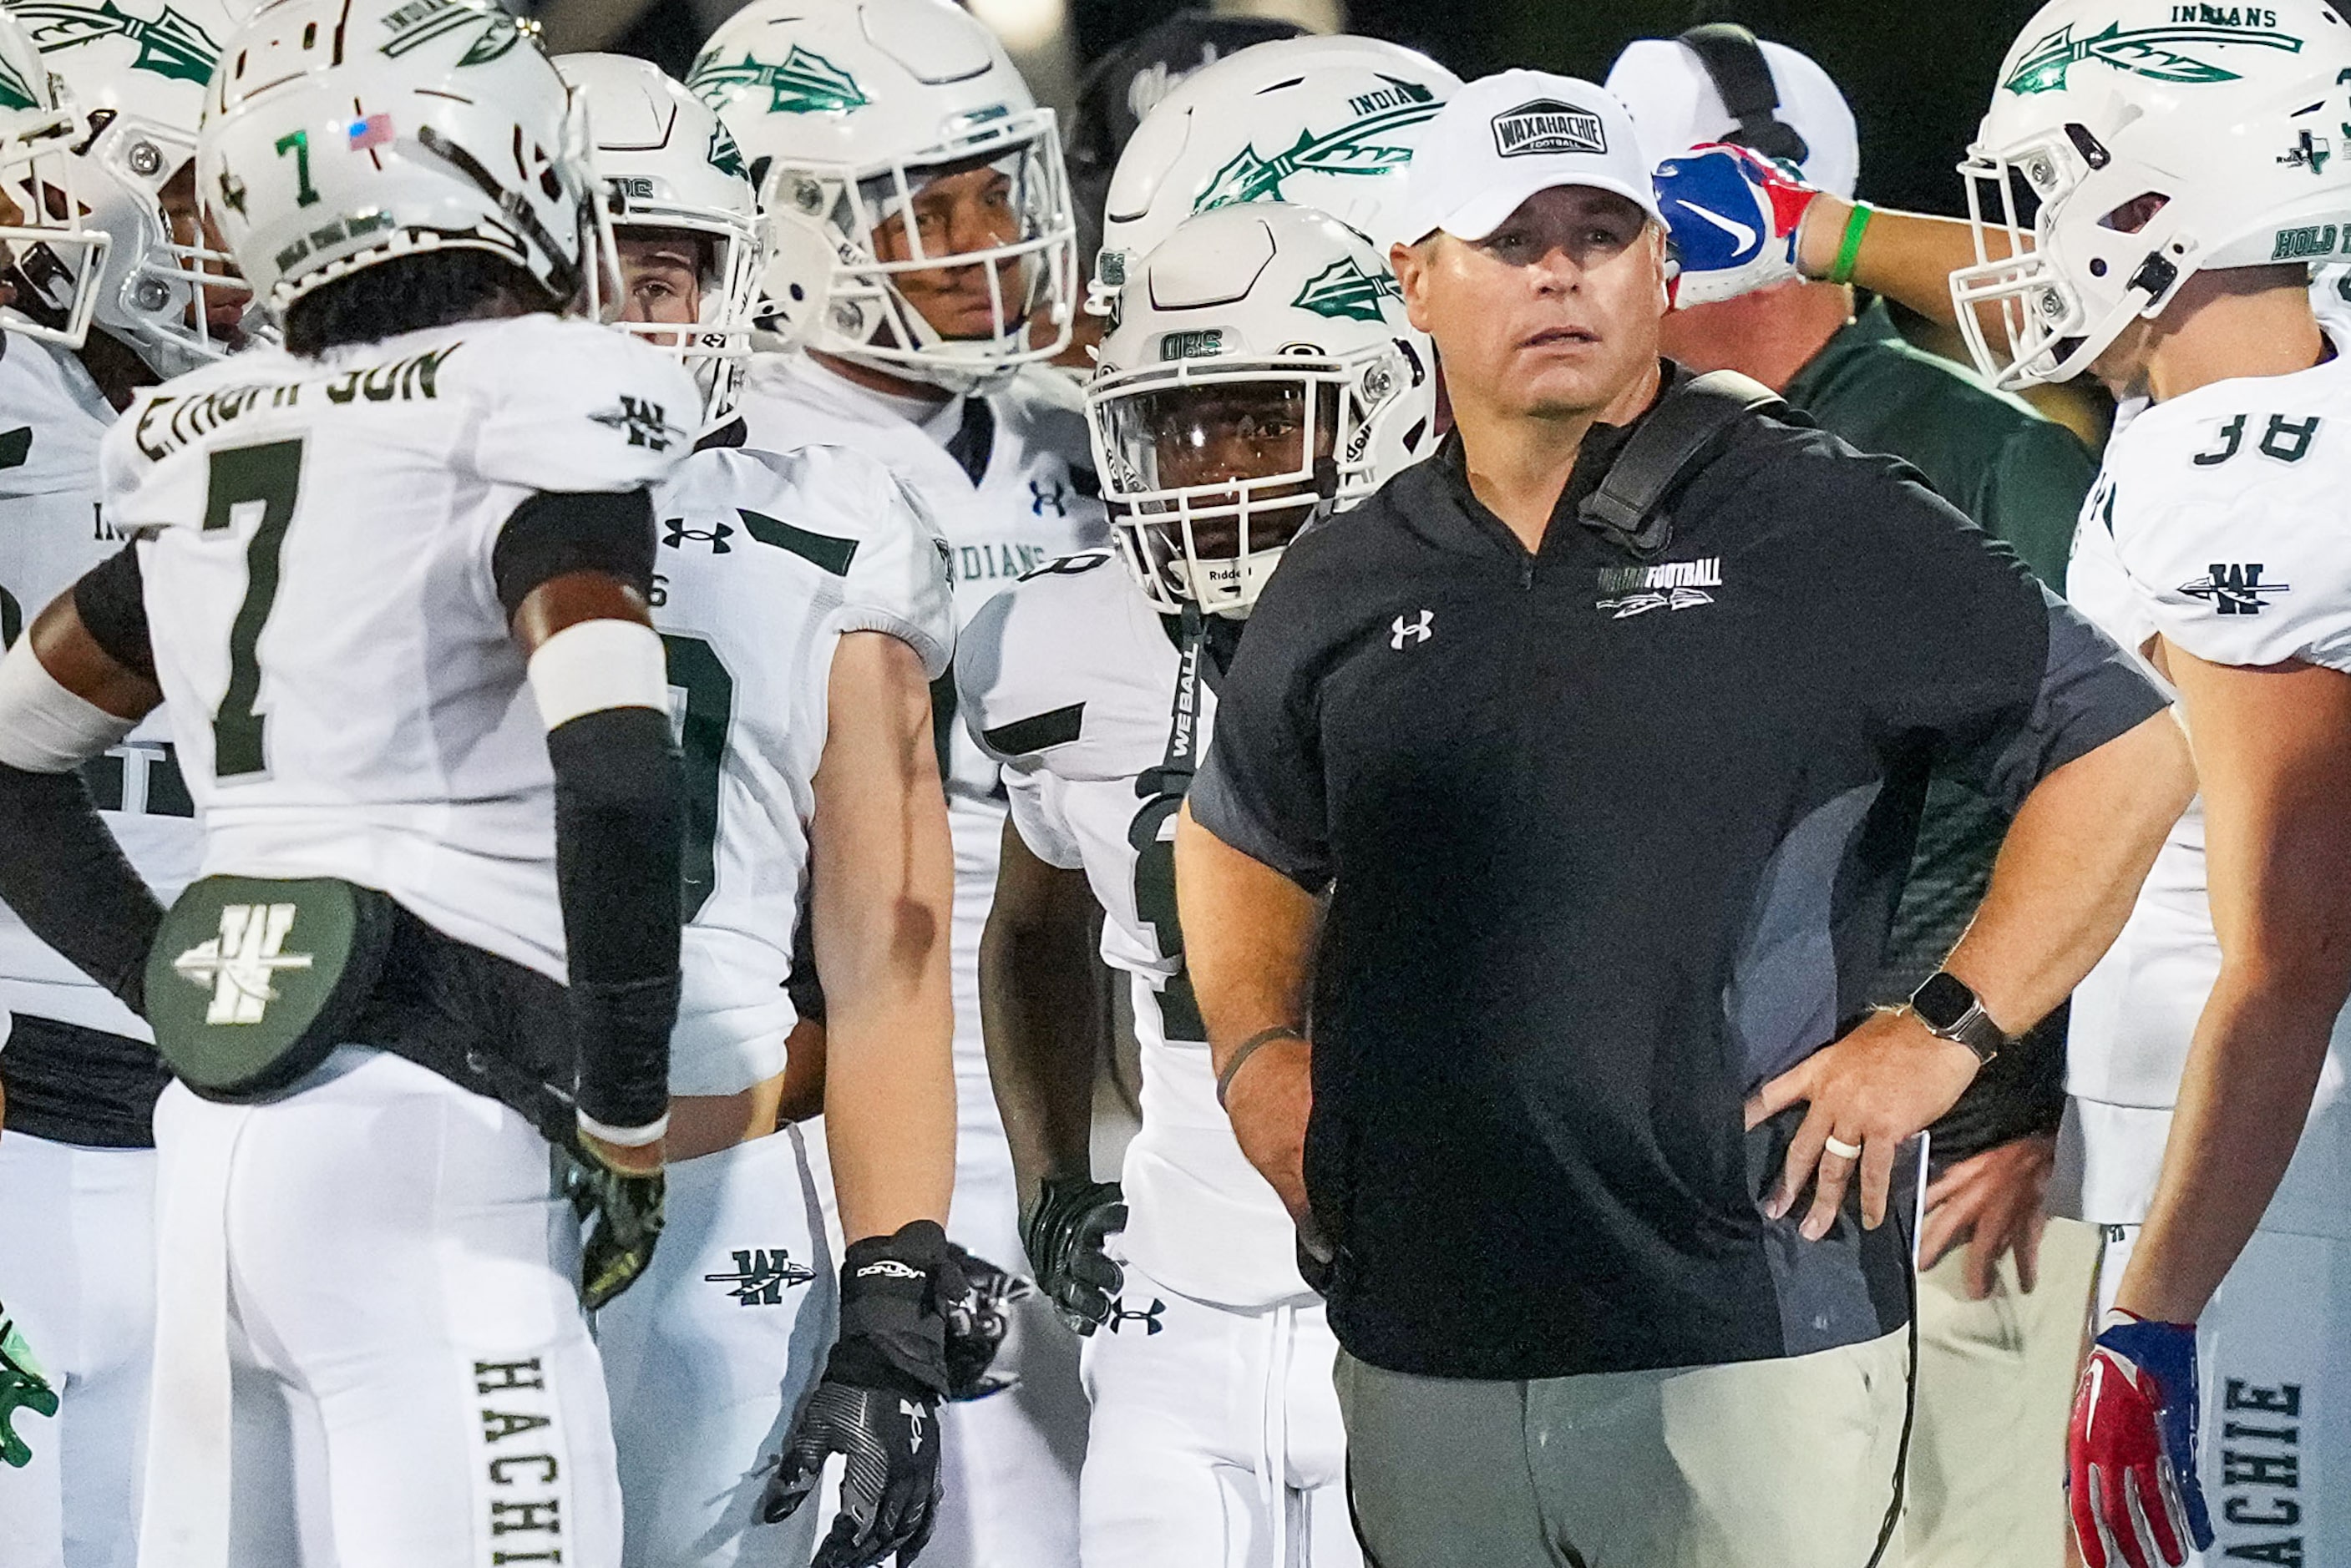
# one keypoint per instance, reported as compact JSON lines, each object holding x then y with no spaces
{"x":1917,"y":90}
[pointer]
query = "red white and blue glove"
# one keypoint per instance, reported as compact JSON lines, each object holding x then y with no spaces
{"x":2130,"y":1450}
{"x":1733,"y":215}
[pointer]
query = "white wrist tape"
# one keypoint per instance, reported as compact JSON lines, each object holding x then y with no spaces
{"x":624,"y":1137}
{"x":43,"y":727}
{"x":593,"y":665}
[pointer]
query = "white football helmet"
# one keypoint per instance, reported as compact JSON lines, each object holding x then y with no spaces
{"x":2234,"y":133}
{"x":1261,"y":375}
{"x":136,"y":71}
{"x":342,"y":133}
{"x":1322,"y":122}
{"x":848,"y":110}
{"x":668,"y":163}
{"x":52,"y":259}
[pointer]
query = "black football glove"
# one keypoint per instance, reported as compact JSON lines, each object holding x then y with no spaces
{"x":978,"y":1324}
{"x":1063,"y":1232}
{"x":877,"y":1403}
{"x":22,"y":1388}
{"x":620,"y":1219}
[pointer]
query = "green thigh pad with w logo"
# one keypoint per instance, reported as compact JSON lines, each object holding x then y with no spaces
{"x":253,"y":982}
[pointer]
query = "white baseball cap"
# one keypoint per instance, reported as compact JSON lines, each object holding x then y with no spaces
{"x":1502,"y":138}
{"x":1674,"y":101}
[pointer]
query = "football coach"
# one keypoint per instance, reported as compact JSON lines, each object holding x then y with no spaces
{"x":1603,"y":734}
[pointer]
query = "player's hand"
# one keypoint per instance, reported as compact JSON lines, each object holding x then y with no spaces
{"x":890,"y":1485}
{"x":1733,"y":215}
{"x":1991,"y":1202}
{"x":616,"y":1194}
{"x":877,"y":1403}
{"x":978,"y":1324}
{"x":1064,"y":1232}
{"x":2130,"y":1448}
{"x":1881,"y":1086}
{"x":22,"y":1386}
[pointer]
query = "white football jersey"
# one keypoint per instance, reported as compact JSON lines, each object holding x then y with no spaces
{"x":345,"y":696}
{"x":766,"y":559}
{"x":1068,"y":679}
{"x":51,"y":418}
{"x":2222,"y":521}
{"x":1035,"y":499}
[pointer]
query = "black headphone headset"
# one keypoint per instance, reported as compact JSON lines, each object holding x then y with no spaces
{"x":1734,"y":62}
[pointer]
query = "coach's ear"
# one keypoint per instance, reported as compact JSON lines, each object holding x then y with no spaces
{"x":1411,"y":263}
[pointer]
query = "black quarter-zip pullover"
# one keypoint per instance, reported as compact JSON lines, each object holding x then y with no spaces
{"x":1614,"y":840}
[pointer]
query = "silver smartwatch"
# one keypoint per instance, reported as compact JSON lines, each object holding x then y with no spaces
{"x":1950,"y":1010}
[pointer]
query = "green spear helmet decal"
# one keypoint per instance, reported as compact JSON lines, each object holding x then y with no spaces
{"x":170,"y":45}
{"x":421,"y":23}
{"x":1343,"y":291}
{"x":805,"y":83}
{"x":2154,"y":52}
{"x":725,"y":156}
{"x":1352,"y":149}
{"x":15,"y":91}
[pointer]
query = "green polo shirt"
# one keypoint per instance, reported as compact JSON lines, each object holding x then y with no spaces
{"x":2021,"y":477}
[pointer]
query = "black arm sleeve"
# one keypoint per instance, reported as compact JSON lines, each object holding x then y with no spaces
{"x":66,"y":878}
{"x":609,"y":531}
{"x":111,"y":599}
{"x":620,"y":821}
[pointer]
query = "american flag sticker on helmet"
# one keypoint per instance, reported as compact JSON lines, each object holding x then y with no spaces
{"x":373,"y":131}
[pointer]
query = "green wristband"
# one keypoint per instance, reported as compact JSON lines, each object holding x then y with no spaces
{"x":1856,"y":223}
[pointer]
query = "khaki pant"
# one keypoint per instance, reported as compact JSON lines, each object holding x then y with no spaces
{"x":1760,"y":1464}
{"x":1995,"y":1384}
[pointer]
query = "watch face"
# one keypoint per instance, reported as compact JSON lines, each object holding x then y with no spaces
{"x":1942,"y":1001}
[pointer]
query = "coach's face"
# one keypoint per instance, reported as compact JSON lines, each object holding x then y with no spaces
{"x":1552,"y":314}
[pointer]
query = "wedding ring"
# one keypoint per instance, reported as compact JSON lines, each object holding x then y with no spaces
{"x":1841,"y":1149}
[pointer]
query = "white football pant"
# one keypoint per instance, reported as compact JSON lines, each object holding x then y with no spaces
{"x":78,"y":1273}
{"x":710,"y":1355}
{"x":375,"y":1266}
{"x":1216,"y":1441}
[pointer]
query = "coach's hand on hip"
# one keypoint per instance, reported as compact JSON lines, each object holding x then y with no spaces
{"x":2068,"y":873}
{"x":1878,"y":1087}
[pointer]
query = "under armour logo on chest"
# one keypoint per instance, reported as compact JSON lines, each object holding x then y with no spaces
{"x":1148,"y":1317}
{"x":1401,"y":630}
{"x":1057,"y":498}
{"x":675,"y":533}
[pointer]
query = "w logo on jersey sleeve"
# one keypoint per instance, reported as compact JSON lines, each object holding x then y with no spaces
{"x":2234,"y":588}
{"x":645,"y":424}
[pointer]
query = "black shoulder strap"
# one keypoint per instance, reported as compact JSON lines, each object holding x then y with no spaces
{"x":1669,"y":445}
{"x":1735,"y":62}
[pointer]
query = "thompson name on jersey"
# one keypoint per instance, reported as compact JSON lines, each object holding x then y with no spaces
{"x":318,"y":540}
